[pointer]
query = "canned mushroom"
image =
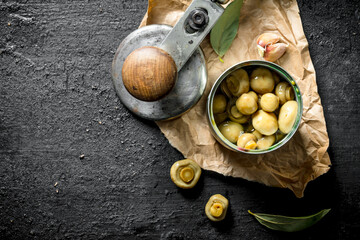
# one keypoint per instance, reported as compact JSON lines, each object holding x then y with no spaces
{"x":254,"y":107}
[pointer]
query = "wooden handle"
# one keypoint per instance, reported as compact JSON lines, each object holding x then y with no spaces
{"x":149,"y":73}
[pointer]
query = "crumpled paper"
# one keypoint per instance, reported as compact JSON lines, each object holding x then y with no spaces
{"x":305,"y":156}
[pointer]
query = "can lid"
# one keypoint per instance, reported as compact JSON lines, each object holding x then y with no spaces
{"x":187,"y":91}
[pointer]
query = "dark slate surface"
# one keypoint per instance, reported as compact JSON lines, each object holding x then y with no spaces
{"x":57,"y":102}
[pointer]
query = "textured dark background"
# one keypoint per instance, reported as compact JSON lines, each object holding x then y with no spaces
{"x":57,"y":102}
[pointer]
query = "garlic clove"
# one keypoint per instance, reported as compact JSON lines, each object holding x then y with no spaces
{"x":274,"y":52}
{"x":261,"y":50}
{"x":266,"y":39}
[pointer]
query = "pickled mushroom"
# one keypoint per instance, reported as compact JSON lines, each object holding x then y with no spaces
{"x":280,"y":91}
{"x":262,"y":81}
{"x":231,"y":130}
{"x":238,"y":82}
{"x":266,"y":123}
{"x":247,"y":141}
{"x":257,"y":134}
{"x":246,"y":104}
{"x":279,"y":136}
{"x":263,"y":98}
{"x":220,"y":117}
{"x":219,"y":103}
{"x":225,"y":90}
{"x":216,"y":207}
{"x":265,"y":142}
{"x":269,"y":102}
{"x":289,"y":93}
{"x":250,"y":145}
{"x":185,"y":173}
{"x":234,"y":113}
{"x":287,"y":116}
{"x":275,"y":77}
{"x":254,"y":95}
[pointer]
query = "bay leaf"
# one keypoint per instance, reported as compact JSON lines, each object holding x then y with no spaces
{"x":288,"y":224}
{"x":225,"y":29}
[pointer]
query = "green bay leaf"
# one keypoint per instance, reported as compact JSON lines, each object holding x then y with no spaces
{"x":225,"y":29}
{"x":288,"y":224}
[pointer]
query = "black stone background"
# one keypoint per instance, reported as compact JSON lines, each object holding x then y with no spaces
{"x":57,"y":102}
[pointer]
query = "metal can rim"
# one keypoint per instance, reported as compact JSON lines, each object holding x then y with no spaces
{"x":260,"y":63}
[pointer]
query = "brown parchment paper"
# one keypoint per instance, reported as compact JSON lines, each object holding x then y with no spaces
{"x":304,"y":157}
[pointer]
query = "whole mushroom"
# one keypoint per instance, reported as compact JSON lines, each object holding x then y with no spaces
{"x":287,"y":116}
{"x":220,"y":117}
{"x":266,"y":123}
{"x":246,"y":104}
{"x":247,"y":141}
{"x":265,"y":142}
{"x":219,"y":103}
{"x":289,"y":93}
{"x":216,"y":207}
{"x":269,"y":102}
{"x":254,"y":95}
{"x":185,"y":173}
{"x":262,"y":81}
{"x":231,"y":130}
{"x":280,"y":91}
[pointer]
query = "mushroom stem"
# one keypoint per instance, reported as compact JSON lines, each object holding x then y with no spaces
{"x":187,"y":174}
{"x":216,"y":209}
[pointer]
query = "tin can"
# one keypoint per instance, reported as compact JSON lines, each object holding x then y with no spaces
{"x":249,"y":65}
